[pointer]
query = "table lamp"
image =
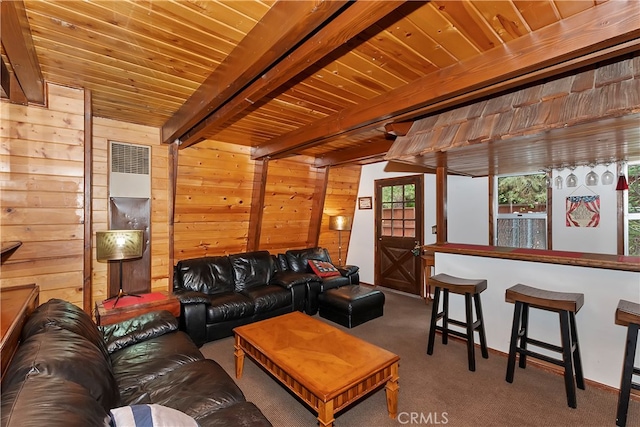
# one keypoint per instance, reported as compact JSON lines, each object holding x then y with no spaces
{"x":118,"y":245}
{"x":340,"y":223}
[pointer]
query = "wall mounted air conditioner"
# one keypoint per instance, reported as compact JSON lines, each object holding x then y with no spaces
{"x":130,"y":170}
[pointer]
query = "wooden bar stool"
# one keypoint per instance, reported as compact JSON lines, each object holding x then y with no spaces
{"x":471,"y":289}
{"x":566,"y":305}
{"x":628,"y":314}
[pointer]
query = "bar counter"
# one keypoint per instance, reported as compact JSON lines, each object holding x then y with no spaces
{"x":581,"y":259}
{"x":603,"y":279}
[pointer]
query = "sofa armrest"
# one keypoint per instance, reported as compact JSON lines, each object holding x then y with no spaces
{"x":288,"y":279}
{"x":140,"y":328}
{"x":191,"y":297}
{"x":348,"y":270}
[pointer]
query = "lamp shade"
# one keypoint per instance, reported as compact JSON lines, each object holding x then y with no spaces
{"x":119,"y":244}
{"x":340,"y":223}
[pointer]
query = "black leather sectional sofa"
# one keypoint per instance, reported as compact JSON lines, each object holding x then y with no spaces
{"x":220,"y":293}
{"x":69,"y":372}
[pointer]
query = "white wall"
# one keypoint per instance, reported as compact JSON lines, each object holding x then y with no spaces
{"x":601,"y":239}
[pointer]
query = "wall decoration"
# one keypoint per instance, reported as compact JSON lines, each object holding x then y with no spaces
{"x":583,"y":211}
{"x":365,"y":203}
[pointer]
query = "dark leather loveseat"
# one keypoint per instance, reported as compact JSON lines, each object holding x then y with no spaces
{"x":69,"y":372}
{"x":220,"y":293}
{"x":297,"y":261}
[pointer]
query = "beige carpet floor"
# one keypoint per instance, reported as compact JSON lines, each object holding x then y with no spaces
{"x":437,"y":389}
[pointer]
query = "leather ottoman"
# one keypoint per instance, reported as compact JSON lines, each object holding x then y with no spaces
{"x":351,"y":305}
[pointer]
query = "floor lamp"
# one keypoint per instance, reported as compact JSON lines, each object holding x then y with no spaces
{"x":340,"y":223}
{"x":118,"y":245}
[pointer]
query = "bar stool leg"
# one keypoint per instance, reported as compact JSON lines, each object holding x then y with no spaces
{"x":445,"y":316}
{"x":470,"y":341}
{"x":515,"y":328}
{"x":577,"y":362}
{"x":483,"y":337}
{"x":434,"y":319}
{"x":524,"y":335}
{"x":627,"y":374}
{"x":567,"y":358}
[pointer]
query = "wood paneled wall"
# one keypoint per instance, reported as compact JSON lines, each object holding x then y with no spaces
{"x":213,"y":200}
{"x":111,"y":130}
{"x":342,"y":192}
{"x":42,"y":195}
{"x":214,"y":195}
{"x":42,"y":198}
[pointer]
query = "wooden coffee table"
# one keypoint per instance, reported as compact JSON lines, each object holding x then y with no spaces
{"x":327,"y":368}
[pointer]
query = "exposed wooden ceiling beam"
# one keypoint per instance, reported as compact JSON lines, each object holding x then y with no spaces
{"x":398,"y":129}
{"x":358,"y":17}
{"x":355,"y":154}
{"x":609,"y":24}
{"x":5,"y":79}
{"x":258,"y":51}
{"x":18,"y":45}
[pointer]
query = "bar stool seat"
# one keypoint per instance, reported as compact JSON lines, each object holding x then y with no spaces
{"x":628,"y":314}
{"x":566,"y":305}
{"x":471,"y":289}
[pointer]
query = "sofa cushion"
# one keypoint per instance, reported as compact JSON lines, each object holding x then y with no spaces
{"x":298,"y":259}
{"x":229,"y":306}
{"x":67,"y":355}
{"x":47,"y":400}
{"x":268,"y":298}
{"x":323,"y":268}
{"x":252,"y":269}
{"x":239,"y":414}
{"x":138,"y":364}
{"x":66,"y":316}
{"x":198,"y":387}
{"x":140,"y":328}
{"x":209,"y":275}
{"x":150,"y":416}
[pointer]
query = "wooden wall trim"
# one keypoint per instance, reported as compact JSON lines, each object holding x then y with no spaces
{"x":492,"y":213}
{"x":322,"y":180}
{"x":257,"y":204}
{"x":173,"y":183}
{"x":441,"y":205}
{"x":88,"y":198}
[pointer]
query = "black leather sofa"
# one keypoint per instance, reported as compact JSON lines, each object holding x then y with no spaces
{"x":297,"y":261}
{"x":69,"y":372}
{"x":220,"y":293}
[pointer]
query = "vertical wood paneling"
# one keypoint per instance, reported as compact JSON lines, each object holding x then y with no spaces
{"x":342,"y":192}
{"x":105,"y":130}
{"x":42,"y":197}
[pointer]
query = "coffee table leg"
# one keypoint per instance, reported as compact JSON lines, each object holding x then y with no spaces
{"x":392,"y":392}
{"x":325,"y":413}
{"x":239,"y":355}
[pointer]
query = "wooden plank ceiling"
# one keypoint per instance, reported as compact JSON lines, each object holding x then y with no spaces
{"x":334,"y":80}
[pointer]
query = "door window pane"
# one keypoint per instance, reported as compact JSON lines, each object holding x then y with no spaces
{"x":398,"y":205}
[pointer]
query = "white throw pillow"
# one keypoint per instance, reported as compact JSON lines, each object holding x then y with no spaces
{"x":150,"y":416}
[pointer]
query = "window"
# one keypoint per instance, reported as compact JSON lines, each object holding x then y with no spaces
{"x":521,"y":219}
{"x":398,"y":210}
{"x":632,"y":223}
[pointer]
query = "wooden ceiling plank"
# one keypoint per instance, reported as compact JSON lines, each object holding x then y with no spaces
{"x":18,"y":45}
{"x":5,"y":79}
{"x":347,"y":25}
{"x":259,"y":50}
{"x":607,"y":25}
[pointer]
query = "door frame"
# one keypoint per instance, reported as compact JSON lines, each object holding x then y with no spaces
{"x":418,"y":180}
